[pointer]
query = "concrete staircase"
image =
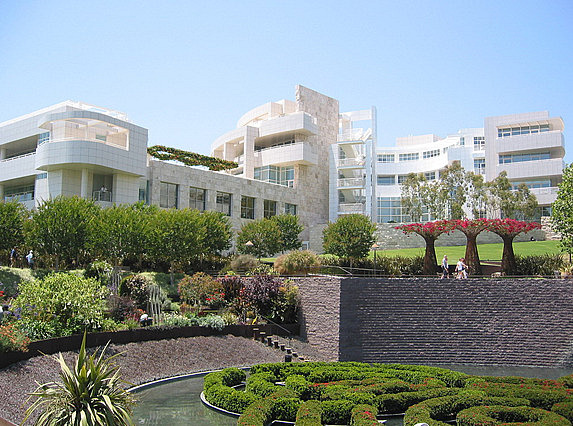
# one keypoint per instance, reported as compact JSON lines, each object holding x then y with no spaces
{"x":474,"y":321}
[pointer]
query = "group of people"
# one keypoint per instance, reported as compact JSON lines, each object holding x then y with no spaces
{"x":461,"y":268}
{"x":14,"y":257}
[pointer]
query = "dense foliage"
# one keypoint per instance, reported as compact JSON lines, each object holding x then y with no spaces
{"x":351,"y":236}
{"x":562,"y":209}
{"x":190,"y":158}
{"x":268,"y":236}
{"x":355,"y":393}
{"x":12,"y":216}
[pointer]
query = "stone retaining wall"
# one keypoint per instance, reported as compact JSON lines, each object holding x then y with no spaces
{"x":433,"y":321}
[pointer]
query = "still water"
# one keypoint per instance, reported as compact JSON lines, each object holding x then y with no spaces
{"x":177,"y":402}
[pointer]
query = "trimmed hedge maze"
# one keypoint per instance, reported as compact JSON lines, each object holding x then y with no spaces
{"x":351,"y":393}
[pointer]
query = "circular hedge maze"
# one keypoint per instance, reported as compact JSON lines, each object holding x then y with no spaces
{"x":350,"y":393}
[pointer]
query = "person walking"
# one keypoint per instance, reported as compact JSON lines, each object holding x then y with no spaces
{"x":445,"y":266}
{"x":461,"y":268}
{"x":30,"y":259}
{"x":14,"y":257}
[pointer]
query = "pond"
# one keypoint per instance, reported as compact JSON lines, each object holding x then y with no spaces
{"x":177,"y":401}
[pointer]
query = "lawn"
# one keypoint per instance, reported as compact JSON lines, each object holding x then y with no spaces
{"x":486,"y":251}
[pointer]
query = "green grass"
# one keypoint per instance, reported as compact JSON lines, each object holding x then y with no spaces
{"x":486,"y":251}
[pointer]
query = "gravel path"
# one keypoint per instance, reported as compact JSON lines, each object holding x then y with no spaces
{"x":143,"y":362}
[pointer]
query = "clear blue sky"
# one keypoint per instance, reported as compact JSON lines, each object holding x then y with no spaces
{"x":187,"y":70}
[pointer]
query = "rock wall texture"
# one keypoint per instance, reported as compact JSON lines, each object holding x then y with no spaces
{"x":432,"y":321}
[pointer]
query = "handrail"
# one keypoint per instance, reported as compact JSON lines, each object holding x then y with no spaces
{"x":85,"y":139}
{"x":275,"y":324}
{"x":19,"y":156}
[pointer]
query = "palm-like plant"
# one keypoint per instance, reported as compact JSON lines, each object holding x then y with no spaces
{"x":89,"y":394}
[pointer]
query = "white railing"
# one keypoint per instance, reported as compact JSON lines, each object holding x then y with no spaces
{"x":18,"y":156}
{"x":102,"y":196}
{"x":351,"y":182}
{"x":82,"y":139}
{"x":20,"y":197}
{"x":351,"y":208}
{"x":277,"y":147}
{"x":351,"y":162}
{"x":546,"y":190}
{"x":351,"y":135}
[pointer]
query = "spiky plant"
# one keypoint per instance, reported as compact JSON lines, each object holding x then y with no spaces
{"x":88,"y":394}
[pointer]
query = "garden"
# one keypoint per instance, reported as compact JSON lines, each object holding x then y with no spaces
{"x":350,"y":393}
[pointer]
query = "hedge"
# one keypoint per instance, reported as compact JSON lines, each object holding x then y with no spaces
{"x":262,"y":384}
{"x":227,"y":377}
{"x":397,"y":403}
{"x":309,"y":414}
{"x":258,"y":413}
{"x":364,"y":415}
{"x":564,"y":408}
{"x":495,"y":414}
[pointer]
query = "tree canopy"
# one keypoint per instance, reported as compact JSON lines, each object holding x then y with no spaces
{"x":351,"y":236}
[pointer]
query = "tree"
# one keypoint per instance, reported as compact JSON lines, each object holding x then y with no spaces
{"x":90,"y":393}
{"x":453,"y":190}
{"x":12,"y":216}
{"x":217,"y":232}
{"x":60,"y":228}
{"x":520,"y":203}
{"x":562,"y":210}
{"x":508,"y":229}
{"x":412,"y":190}
{"x":351,"y":236}
{"x":471,"y":229}
{"x":290,"y":229}
{"x":176,"y":237}
{"x":429,"y":231}
{"x":264,"y":234}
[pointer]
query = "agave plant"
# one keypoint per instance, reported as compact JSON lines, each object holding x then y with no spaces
{"x":88,"y":394}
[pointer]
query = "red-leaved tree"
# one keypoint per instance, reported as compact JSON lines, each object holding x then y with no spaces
{"x":430,"y":232}
{"x":471,"y":229}
{"x":508,"y":229}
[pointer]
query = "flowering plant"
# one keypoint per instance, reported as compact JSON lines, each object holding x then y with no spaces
{"x":12,"y":338}
{"x":215,"y":300}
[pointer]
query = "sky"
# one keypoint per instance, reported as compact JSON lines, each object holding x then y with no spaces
{"x":188,"y":70}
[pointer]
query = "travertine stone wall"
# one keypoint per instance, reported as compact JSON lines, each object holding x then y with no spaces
{"x":433,"y":321}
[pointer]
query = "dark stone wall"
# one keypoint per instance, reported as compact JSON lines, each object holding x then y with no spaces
{"x":433,"y":321}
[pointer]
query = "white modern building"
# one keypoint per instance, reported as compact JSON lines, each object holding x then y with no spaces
{"x":300,"y":156}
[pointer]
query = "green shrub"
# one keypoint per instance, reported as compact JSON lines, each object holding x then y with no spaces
{"x":497,"y":414}
{"x":297,"y":262}
{"x":61,"y":304}
{"x":301,"y":387}
{"x":259,"y":413}
{"x":564,"y":409}
{"x":243,"y":263}
{"x":229,"y":399}
{"x":261,"y":384}
{"x":363,"y":415}
{"x":285,"y":409}
{"x":394,"y":403}
{"x":100,"y":270}
{"x":227,"y":377}
{"x":177,"y":320}
{"x":336,"y":412}
{"x":543,"y":264}
{"x":12,"y":338}
{"x":566,"y":381}
{"x":136,"y":287}
{"x":196,"y":289}
{"x":309,"y":414}
{"x":212,"y":321}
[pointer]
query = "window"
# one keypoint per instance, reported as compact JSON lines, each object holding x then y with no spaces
{"x":402,"y":178}
{"x":385,"y":158}
{"x":386,"y":180}
{"x":505,"y":132}
{"x":197,"y":198}
{"x":270,"y":208}
{"x":389,"y":209}
{"x":224,"y":203}
{"x":43,"y":137}
{"x":273,"y":174}
{"x":518,"y":158}
{"x":531,"y":184}
{"x":102,"y":138}
{"x":479,"y":143}
{"x":144,"y":191}
{"x":462,"y":141}
{"x":168,"y":195}
{"x":19,"y":193}
{"x":430,"y":154}
{"x":290,"y":209}
{"x":411,"y":156}
{"x":40,"y":176}
{"x":479,"y":166}
{"x":247,"y":207}
{"x":430,"y":175}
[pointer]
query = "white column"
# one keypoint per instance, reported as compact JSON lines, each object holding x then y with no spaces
{"x":1,"y":192}
{"x":2,"y":153}
{"x":84,"y":189}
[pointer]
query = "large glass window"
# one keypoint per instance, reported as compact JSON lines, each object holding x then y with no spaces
{"x":432,"y":153}
{"x":43,"y":137}
{"x":197,"y":198}
{"x":270,"y":208}
{"x":247,"y":207}
{"x":290,"y":209}
{"x":279,"y":175}
{"x":479,"y":143}
{"x":479,"y":166}
{"x":19,"y":193}
{"x":505,"y":132}
{"x":411,"y":156}
{"x":518,"y":158}
{"x":532,"y":184}
{"x":144,"y":191}
{"x":386,"y":180}
{"x":390,"y":210}
{"x":168,"y":195}
{"x":430,"y":175}
{"x":224,"y":203}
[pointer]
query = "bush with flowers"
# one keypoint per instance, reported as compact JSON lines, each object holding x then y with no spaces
{"x":12,"y":338}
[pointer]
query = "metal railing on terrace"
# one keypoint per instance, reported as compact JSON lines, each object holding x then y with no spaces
{"x":345,"y":162}
{"x":346,"y":182}
{"x":16,"y":156}
{"x":351,"y":208}
{"x":81,"y":138}
{"x":351,"y":135}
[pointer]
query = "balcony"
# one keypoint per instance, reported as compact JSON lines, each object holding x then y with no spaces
{"x":284,"y":155}
{"x":348,"y":208}
{"x":351,"y":135}
{"x":105,"y":196}
{"x":351,"y":183}
{"x":18,"y":166}
{"x":351,"y":162}
{"x":527,"y":170}
{"x":545,"y":195}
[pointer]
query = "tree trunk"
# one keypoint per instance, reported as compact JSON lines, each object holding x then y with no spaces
{"x":508,"y":265}
{"x":472,"y":255}
{"x":430,"y":262}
